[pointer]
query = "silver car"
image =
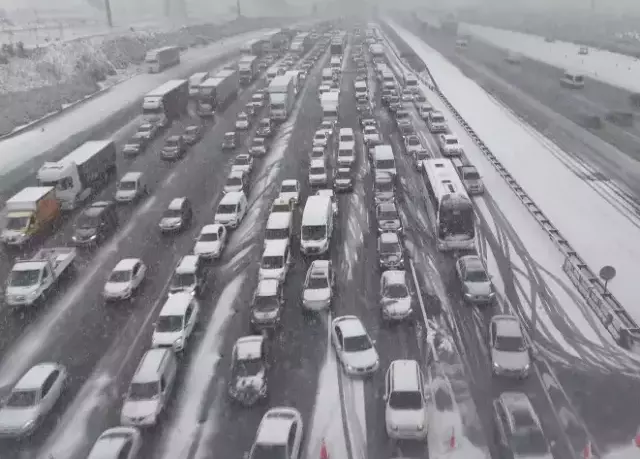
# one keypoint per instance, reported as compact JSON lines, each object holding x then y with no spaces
{"x":390,"y":251}
{"x":509,"y":349}
{"x":387,"y":217}
{"x":31,"y":399}
{"x":477,"y":287}
{"x":395,"y":296}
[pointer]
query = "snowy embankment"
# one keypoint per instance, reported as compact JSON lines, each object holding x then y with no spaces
{"x":612,"y":68}
{"x":600,"y":233}
{"x":49,"y":79}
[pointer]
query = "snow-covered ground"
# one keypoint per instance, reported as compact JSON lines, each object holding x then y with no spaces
{"x":601,"y":234}
{"x":17,"y":150}
{"x":612,"y":68}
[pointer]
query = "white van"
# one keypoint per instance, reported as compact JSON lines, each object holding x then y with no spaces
{"x":346,"y":135}
{"x":279,"y":227}
{"x":176,"y":321}
{"x":276,"y":259}
{"x":195,"y":81}
{"x":317,"y":225}
{"x":383,"y":159}
{"x":231,"y":209}
{"x":132,"y":186}
{"x":346,"y":154}
{"x":572,"y":80}
{"x":436,"y":122}
{"x":150,"y":388}
{"x":327,"y":76}
{"x":361,"y":90}
{"x":336,"y":63}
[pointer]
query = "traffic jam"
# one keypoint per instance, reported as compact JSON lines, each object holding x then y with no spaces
{"x":301,"y":215}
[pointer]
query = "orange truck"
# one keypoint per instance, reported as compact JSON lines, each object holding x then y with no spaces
{"x":29,"y":213}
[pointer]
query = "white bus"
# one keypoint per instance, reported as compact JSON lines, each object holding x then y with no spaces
{"x":455,"y":221}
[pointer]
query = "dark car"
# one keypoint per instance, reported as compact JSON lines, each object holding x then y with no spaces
{"x":343,"y":179}
{"x":135,"y":145}
{"x":174,"y":148}
{"x":95,"y":224}
{"x":177,"y":216}
{"x":230,"y":140}
{"x":192,"y":134}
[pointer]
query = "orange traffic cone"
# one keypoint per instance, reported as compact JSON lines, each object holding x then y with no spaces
{"x":324,"y":454}
{"x":637,"y":440}
{"x":452,"y":439}
{"x":587,"y":453}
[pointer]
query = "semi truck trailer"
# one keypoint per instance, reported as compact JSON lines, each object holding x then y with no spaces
{"x":166,"y":103}
{"x":281,"y":96}
{"x":217,"y":92}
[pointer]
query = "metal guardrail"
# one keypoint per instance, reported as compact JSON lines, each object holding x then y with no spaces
{"x":615,"y":319}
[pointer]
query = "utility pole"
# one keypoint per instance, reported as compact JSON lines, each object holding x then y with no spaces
{"x":238,"y":10}
{"x":107,"y":9}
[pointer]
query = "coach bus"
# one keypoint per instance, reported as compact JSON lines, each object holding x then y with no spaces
{"x":455,"y":221}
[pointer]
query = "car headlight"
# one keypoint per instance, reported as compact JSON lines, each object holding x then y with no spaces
{"x":29,"y":424}
{"x":32,"y":295}
{"x":349,"y":367}
{"x":496,"y":365}
{"x":420,"y":426}
{"x":178,"y":342}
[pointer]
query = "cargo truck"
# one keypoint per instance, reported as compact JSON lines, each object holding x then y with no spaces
{"x":161,"y":58}
{"x":29,"y":213}
{"x":247,"y":69}
{"x":31,"y":281}
{"x":166,"y":103}
{"x":329,"y":103}
{"x":255,"y":47}
{"x":217,"y":92}
{"x":281,"y":96}
{"x":297,"y":83}
{"x":81,"y":173}
{"x":376,"y":50}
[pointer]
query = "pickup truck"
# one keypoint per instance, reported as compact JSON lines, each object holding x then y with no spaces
{"x":32,"y":280}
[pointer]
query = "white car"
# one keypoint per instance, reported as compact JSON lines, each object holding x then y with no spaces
{"x":290,"y":190}
{"x":211,"y":241}
{"x":353,"y":346}
{"x":236,"y":181}
{"x":322,"y":89}
{"x":407,"y":95}
{"x":174,"y":326}
{"x":332,"y":196}
{"x":327,"y":126}
{"x":346,"y":154}
{"x":31,"y":399}
{"x":412,"y":144}
{"x":125,"y":279}
{"x":395,"y":296}
{"x":280,"y":430}
{"x":243,"y":163}
{"x":405,"y":410}
{"x":317,"y":173}
{"x":258,"y":146}
{"x":371,"y":135}
{"x":117,"y":443}
{"x":449,"y":145}
{"x":320,"y":139}
{"x":318,"y":286}
{"x":509,"y":351}
{"x":318,"y":153}
{"x":242,"y":121}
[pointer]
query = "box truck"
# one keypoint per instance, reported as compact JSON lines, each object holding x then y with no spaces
{"x":329,"y":103}
{"x":81,"y":173}
{"x":281,"y":96}
{"x":166,"y":103}
{"x":217,"y":92}
{"x":297,"y":83}
{"x":247,"y":69}
{"x":161,"y":58}
{"x":29,"y":213}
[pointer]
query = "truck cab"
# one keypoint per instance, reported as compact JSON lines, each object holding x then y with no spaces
{"x":29,"y":213}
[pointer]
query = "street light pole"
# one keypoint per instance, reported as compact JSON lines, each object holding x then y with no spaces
{"x":107,"y":9}
{"x":238,"y":10}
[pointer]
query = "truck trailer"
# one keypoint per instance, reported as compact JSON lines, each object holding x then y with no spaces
{"x":255,"y":47}
{"x":329,"y":102}
{"x":29,"y":213}
{"x":217,"y":92}
{"x":297,"y":82}
{"x":376,"y":50}
{"x":166,"y":103}
{"x":161,"y":58}
{"x":81,"y":173}
{"x":281,"y":96}
{"x":247,"y":69}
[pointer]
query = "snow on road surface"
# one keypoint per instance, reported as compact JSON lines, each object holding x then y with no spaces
{"x":612,"y":68}
{"x":599,"y":232}
{"x":21,"y":148}
{"x":187,"y":422}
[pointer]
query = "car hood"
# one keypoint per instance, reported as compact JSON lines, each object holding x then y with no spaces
{"x":361,"y":359}
{"x":225,"y":217}
{"x":510,"y":360}
{"x":207,"y":247}
{"x":316,"y":294}
{"x":244,"y":168}
{"x":140,"y":408}
{"x":165,"y":338}
{"x":21,"y":291}
{"x":14,"y":419}
{"x":396,"y":305}
{"x":246,"y":382}
{"x":478,"y":288}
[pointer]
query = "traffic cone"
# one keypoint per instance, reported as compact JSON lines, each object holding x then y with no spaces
{"x":637,"y":440}
{"x":452,"y":439}
{"x":587,"y":453}
{"x":324,"y":454}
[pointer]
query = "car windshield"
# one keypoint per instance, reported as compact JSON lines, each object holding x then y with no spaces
{"x":317,"y":154}
{"x":414,"y":141}
{"x":191,"y":130}
{"x":17,"y":223}
{"x":272,"y":262}
{"x":172,"y":142}
{"x":24,"y":278}
{"x":22,"y":399}
{"x":208,"y":237}
{"x":172,"y":213}
{"x":276,"y":233}
{"x":384,"y":186}
{"x":88,"y":221}
{"x":289,"y":188}
{"x":243,"y":368}
{"x":390,"y":248}
{"x":510,"y":344}
{"x":145,"y":128}
{"x":343,"y":175}
{"x":258,"y":142}
{"x":405,"y":400}
{"x":356,"y":343}
{"x":471,"y":176}
{"x":266,"y":303}
{"x":346,"y":138}
{"x":476,"y":275}
{"x":370,"y":130}
{"x":256,"y":98}
{"x":242,"y":117}
{"x":529,"y":442}
{"x":127,"y":185}
{"x":143,"y":391}
{"x":437,"y":118}
{"x":345,"y":153}
{"x":227,"y":209}
{"x":182,"y":280}
{"x":169,"y":324}
{"x":385,"y":164}
{"x":281,"y":207}
{"x":120,"y":276}
{"x":317,"y":170}
{"x":317,"y":282}
{"x":269,"y":451}
{"x":234,"y":181}
{"x":326,"y":125}
{"x":320,"y":136}
{"x":396,"y":291}
{"x":229,"y":137}
{"x":265,"y":123}
{"x":451,"y":142}
{"x":388,"y":214}
{"x":314,"y":232}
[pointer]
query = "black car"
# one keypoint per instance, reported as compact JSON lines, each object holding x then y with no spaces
{"x":192,"y":134}
{"x":95,"y":224}
{"x":343,"y":179}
